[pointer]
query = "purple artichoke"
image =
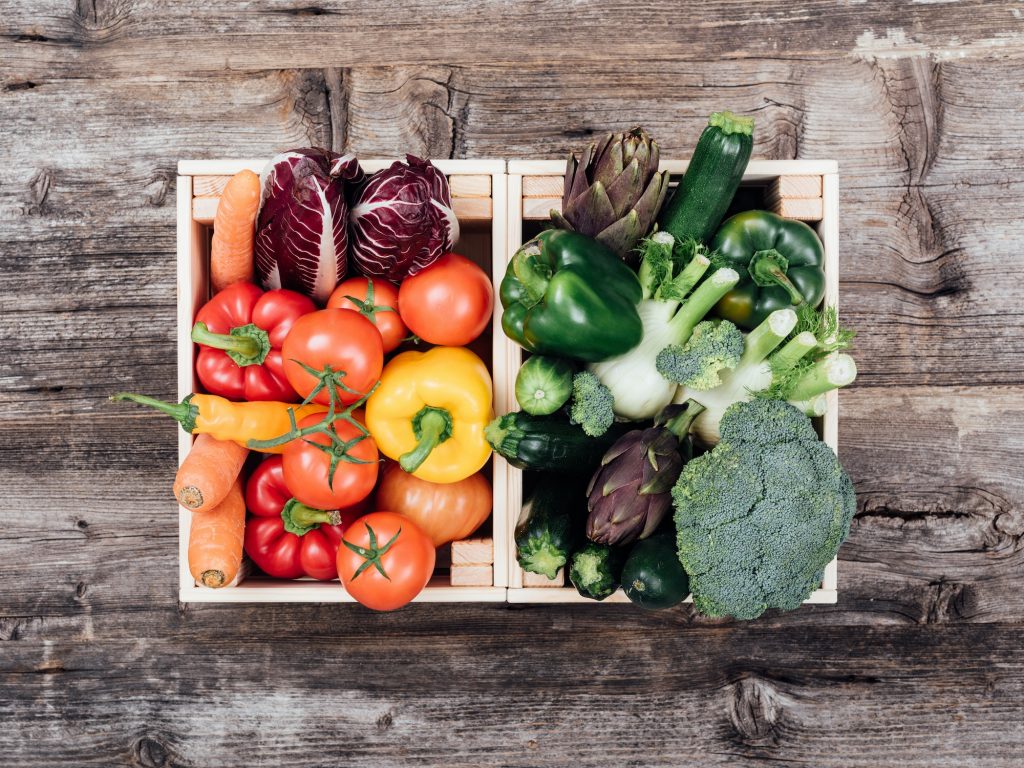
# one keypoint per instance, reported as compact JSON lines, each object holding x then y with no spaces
{"x":402,"y":220}
{"x":301,"y":231}
{"x":631,"y":491}
{"x":614,"y":192}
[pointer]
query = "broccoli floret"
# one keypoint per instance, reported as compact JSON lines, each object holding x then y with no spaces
{"x":592,"y":404}
{"x":713,"y":346}
{"x":760,"y":515}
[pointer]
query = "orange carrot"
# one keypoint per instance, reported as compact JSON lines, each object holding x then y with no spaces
{"x":206,"y":475}
{"x":215,"y":540}
{"x":234,"y":231}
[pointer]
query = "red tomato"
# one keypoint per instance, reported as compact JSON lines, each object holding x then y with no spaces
{"x":306,"y":467}
{"x":449,"y":302}
{"x":274,"y":546}
{"x":342,"y":339}
{"x":375,"y":299}
{"x":385,"y":560}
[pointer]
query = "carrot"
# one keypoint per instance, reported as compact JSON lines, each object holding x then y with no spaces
{"x":234,"y":231}
{"x":215,"y":540}
{"x":206,"y":475}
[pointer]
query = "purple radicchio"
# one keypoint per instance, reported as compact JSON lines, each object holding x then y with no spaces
{"x":402,"y":220}
{"x":301,"y":232}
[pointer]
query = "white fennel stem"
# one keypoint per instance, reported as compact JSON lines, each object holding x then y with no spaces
{"x":640,"y":391}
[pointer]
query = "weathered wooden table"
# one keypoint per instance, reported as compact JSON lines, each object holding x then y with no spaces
{"x":920,"y":663}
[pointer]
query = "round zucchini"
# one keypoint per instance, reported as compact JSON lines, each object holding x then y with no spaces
{"x":544,"y":384}
{"x":653,"y":577}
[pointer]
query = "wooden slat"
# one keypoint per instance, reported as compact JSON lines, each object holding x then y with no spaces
{"x":795,"y":186}
{"x":543,"y":186}
{"x":475,"y":575}
{"x":466,"y":208}
{"x":470,"y":185}
{"x":461,"y":185}
{"x":473,"y":552}
{"x":538,"y":208}
{"x":529,"y":579}
{"x":798,"y":208}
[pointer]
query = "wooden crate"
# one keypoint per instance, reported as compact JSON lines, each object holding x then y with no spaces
{"x":479,"y":199}
{"x":803,"y":189}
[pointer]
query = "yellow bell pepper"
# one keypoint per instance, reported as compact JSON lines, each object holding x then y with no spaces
{"x":429,"y":413}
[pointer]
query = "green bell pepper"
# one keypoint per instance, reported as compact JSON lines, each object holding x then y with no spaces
{"x":779,"y":261}
{"x":568,"y":295}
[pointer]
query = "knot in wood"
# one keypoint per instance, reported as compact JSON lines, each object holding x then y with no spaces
{"x":756,"y":712}
{"x":150,"y":753}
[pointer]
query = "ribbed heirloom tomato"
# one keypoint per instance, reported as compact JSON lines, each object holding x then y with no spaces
{"x":449,"y":303}
{"x":384,"y":560}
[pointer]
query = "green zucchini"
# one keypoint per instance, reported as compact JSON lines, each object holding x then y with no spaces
{"x":544,"y":384}
{"x":549,"y":525}
{"x":549,"y":443}
{"x":653,"y":577}
{"x":711,"y":179}
{"x":596,"y":569}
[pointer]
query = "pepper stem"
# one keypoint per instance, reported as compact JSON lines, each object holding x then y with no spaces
{"x":768,"y":268}
{"x":246,"y":344}
{"x":300,"y":519}
{"x":533,"y":275}
{"x":432,"y":426}
{"x":185,"y":413}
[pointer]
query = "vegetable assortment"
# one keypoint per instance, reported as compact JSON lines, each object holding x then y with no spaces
{"x":673,"y":361}
{"x":308,"y":368}
{"x":675,"y":366}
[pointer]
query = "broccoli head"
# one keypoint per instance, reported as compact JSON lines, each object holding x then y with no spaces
{"x":713,"y":345}
{"x":592,"y":404}
{"x":760,"y":515}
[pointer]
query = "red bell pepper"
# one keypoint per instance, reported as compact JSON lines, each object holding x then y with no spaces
{"x":240,"y":332}
{"x":285,"y":538}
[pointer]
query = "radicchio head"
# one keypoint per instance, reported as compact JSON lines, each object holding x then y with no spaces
{"x":402,"y":220}
{"x":301,"y":235}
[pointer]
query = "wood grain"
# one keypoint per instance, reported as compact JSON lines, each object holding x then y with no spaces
{"x":919,"y":664}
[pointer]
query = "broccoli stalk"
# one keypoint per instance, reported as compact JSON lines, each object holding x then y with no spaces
{"x":669,"y":311}
{"x":779,"y":361}
{"x":592,"y":404}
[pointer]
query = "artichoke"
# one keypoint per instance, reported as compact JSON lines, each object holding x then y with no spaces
{"x":615,"y":192}
{"x":631,"y":491}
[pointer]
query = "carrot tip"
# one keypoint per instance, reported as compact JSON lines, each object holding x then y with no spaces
{"x":190,"y":497}
{"x":212,"y":579}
